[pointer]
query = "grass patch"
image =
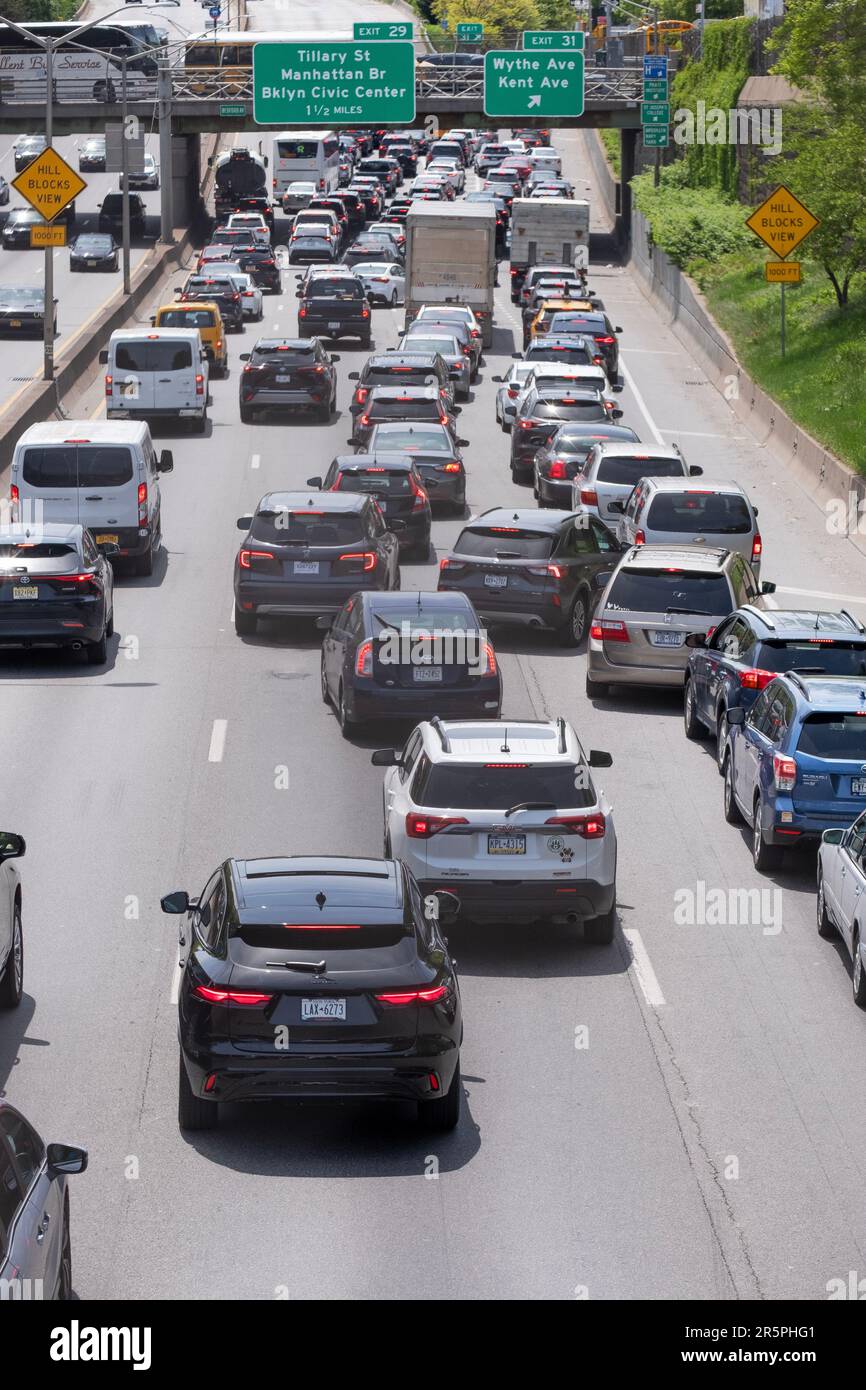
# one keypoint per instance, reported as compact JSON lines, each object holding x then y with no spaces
{"x":821,"y":381}
{"x":611,"y":143}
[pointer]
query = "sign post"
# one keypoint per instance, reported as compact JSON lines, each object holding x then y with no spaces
{"x":530,"y":82}
{"x":782,"y":222}
{"x":336,"y":82}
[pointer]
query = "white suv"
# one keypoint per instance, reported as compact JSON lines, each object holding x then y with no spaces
{"x":505,"y":814}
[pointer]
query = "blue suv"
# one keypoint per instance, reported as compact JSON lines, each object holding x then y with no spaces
{"x":734,"y":664}
{"x":795,"y":763}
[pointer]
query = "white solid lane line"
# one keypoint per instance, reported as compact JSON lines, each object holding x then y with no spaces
{"x":642,"y":969}
{"x":703,"y":434}
{"x":217,"y":741}
{"x":255,"y":460}
{"x":819,"y":593}
{"x":641,"y":403}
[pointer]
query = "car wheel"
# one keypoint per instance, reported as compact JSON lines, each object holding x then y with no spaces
{"x":599,"y":930}
{"x":109,"y":626}
{"x":572,"y":633}
{"x":732,"y":811}
{"x":64,"y":1277}
{"x":347,"y":725}
{"x":97,"y":652}
{"x":825,"y":926}
{"x":420,"y":552}
{"x":764,"y":856}
{"x":12,"y":984}
{"x":143,"y":564}
{"x":393,"y":300}
{"x":192,"y":1111}
{"x":325,"y":411}
{"x":245,"y":623}
{"x":326,"y":694}
{"x":200,"y":425}
{"x":721,"y":736}
{"x":366,"y":342}
{"x":694,"y":729}
{"x":247,"y":415}
{"x":443,"y":1115}
{"x":595,"y":689}
{"x":858,"y":974}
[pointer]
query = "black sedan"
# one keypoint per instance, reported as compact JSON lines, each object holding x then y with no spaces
{"x":16,"y":231}
{"x":408,"y":656}
{"x":288,"y":373}
{"x":94,"y":251}
{"x":533,"y":569}
{"x":36,"y":1248}
{"x":539,"y":416}
{"x":407,"y":404}
{"x":260,"y":262}
{"x":435,"y":451}
{"x":57,"y":590}
{"x":370,"y":247}
{"x":304,"y":553}
{"x":25,"y":150}
{"x":338,"y":955}
{"x":563,"y":456}
{"x":22,"y":310}
{"x":396,"y":484}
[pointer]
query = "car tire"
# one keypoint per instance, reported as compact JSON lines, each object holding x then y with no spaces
{"x":596,"y":689}
{"x":64,"y":1277}
{"x":858,"y":974}
{"x":721,"y":737}
{"x":192,"y":1111}
{"x":325,"y":412}
{"x":366,"y":342}
{"x":245,"y":623}
{"x":573,"y":632}
{"x":825,"y":925}
{"x":598,"y":931}
{"x":443,"y":1115}
{"x":419,"y":553}
{"x":143,"y":564}
{"x":733,"y":815}
{"x":692,"y":725}
{"x":12,"y":984}
{"x":323,"y":681}
{"x":248,"y":415}
{"x":97,"y":652}
{"x":764,"y":856}
{"x":109,"y":626}
{"x":347,"y":725}
{"x":200,"y":425}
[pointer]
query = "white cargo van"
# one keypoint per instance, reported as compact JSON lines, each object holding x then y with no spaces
{"x":103,"y":474}
{"x":156,"y":375}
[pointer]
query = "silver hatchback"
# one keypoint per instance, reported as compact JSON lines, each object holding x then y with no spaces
{"x":666,"y":511}
{"x":656,"y":597}
{"x":613,"y":468}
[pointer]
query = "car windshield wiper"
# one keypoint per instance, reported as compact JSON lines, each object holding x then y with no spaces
{"x":508,"y":555}
{"x":310,"y":967}
{"x":530,"y":806}
{"x":704,"y":611}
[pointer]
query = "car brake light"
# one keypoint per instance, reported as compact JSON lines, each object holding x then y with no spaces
{"x":588,"y":497}
{"x":364,"y":659}
{"x":199,"y":384}
{"x":246,"y":557}
{"x":421,"y":827}
{"x":142,"y":504}
{"x":230,"y":996}
{"x":302,"y":313}
{"x":553,"y":571}
{"x":640,"y":539}
{"x":365,"y":313}
{"x":453,"y":467}
{"x":558,"y":469}
{"x":414,"y":996}
{"x":754,"y":678}
{"x":757,"y":547}
{"x":784,"y":772}
{"x":109,"y":385}
{"x":609,"y":630}
{"x":466,"y":350}
{"x":13,"y":493}
{"x":604,"y":338}
{"x":368,"y":557}
{"x":525,"y":424}
{"x":588,"y":827}
{"x":364,"y":419}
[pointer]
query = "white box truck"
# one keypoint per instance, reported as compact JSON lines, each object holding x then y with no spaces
{"x":451,"y":259}
{"x":547,"y":231}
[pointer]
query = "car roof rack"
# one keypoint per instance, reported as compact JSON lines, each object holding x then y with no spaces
{"x":436,"y":723}
{"x":758,"y":613}
{"x":855,"y":621}
{"x":798,"y":680}
{"x":560,"y":729}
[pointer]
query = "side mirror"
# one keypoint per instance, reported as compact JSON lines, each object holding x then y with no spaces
{"x":175,"y":903}
{"x":493,"y":378}
{"x":456,"y":410}
{"x":755,"y":510}
{"x":599,"y":758}
{"x":602,"y":578}
{"x":335,"y":357}
{"x":177,"y":290}
{"x":617,"y":506}
{"x":617,"y":329}
{"x":153,"y":320}
{"x":354,"y":376}
{"x":696,"y":471}
{"x":518,"y":357}
{"x":324,"y":623}
{"x":617,"y":388}
{"x":244,"y":523}
{"x":768,"y":587}
{"x":385,"y":757}
{"x":832,"y":837}
{"x":314,"y":482}
{"x":442,"y":907}
{"x":166,"y":461}
{"x":103,"y":357}
{"x":736,"y":714}
{"x":245,"y":356}
{"x":462,"y":443}
{"x":696,"y":640}
{"x":65,"y":1158}
{"x":616,"y":414}
{"x":11,"y":846}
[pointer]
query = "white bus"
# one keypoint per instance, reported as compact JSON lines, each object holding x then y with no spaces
{"x":309,"y":155}
{"x":87,"y":71}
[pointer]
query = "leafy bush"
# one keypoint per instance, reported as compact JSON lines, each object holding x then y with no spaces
{"x":716,"y":79}
{"x":692,"y":225}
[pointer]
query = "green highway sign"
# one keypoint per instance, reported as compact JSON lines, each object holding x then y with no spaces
{"x":383,"y":31}
{"x":336,"y":82}
{"x":470,"y":33}
{"x":533,"y":83}
{"x":655,"y":113}
{"x":233,"y":109}
{"x":554,"y":38}
{"x":656,"y":137}
{"x":655,"y":89}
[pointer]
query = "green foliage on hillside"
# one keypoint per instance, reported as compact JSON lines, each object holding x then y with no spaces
{"x":716,"y":79}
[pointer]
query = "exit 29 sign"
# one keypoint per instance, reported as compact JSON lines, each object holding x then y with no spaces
{"x":382,"y":31}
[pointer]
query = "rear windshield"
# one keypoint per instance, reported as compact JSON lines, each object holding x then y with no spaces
{"x":413,"y":376}
{"x":307,"y":527}
{"x":423,"y":622}
{"x":631,"y":470}
{"x":47,"y":550}
{"x":504,"y":541}
{"x":284,"y":357}
{"x":298,"y":149}
{"x":416,"y":441}
{"x":562,"y":410}
{"x":310,"y":936}
{"x":70,"y":466}
{"x":833,"y":736}
{"x":545,"y":353}
{"x":403,"y":410}
{"x":187,"y":318}
{"x":663,"y":591}
{"x":479,"y":788}
{"x":336,"y":288}
{"x":442,"y":345}
{"x":152,"y":357}
{"x":823,"y":657}
{"x":563,"y":322}
{"x":382,"y":481}
{"x":721,"y":512}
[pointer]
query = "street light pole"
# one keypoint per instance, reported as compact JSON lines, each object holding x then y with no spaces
{"x":48,"y":297}
{"x":124,"y":179}
{"x":657,"y":170}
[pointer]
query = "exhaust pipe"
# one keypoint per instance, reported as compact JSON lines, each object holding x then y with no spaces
{"x":76,"y":646}
{"x":572,"y":919}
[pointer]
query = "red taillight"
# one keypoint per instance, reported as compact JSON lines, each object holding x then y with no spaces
{"x":513,"y":392}
{"x":142,"y":504}
{"x":365,"y":313}
{"x":419,"y":827}
{"x":490,"y":655}
{"x":361,"y":394}
{"x":368,"y":557}
{"x":526,"y":424}
{"x":229,"y":996}
{"x":246,"y":557}
{"x":466,"y":350}
{"x":588,"y":827}
{"x":588,"y":497}
{"x":364,"y":659}
{"x":415,"y":996}
{"x":609,"y":630}
{"x":302,"y":313}
{"x":604,"y":338}
{"x":755,"y":679}
{"x":364,"y":419}
{"x":13,"y":493}
{"x":558,"y":470}
{"x":757,"y":547}
{"x":109,"y":384}
{"x":199,"y":384}
{"x":640,"y":539}
{"x":784,"y":772}
{"x":453,"y":468}
{"x":553,"y":571}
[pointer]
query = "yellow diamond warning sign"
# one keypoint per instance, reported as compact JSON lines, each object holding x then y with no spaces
{"x":49,"y":184}
{"x":782,"y":222}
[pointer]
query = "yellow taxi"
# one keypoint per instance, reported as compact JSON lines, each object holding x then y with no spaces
{"x":204,"y":315}
{"x":541,"y":322}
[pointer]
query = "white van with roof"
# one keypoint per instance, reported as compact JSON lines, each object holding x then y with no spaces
{"x":96,"y":473}
{"x":157,"y":375}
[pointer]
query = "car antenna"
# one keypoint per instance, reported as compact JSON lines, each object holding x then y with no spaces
{"x":503,"y":748}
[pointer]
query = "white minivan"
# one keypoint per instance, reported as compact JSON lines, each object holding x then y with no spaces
{"x":103,"y":474}
{"x":156,"y":375}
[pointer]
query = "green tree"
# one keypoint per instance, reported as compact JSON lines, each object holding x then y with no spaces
{"x":821,"y":47}
{"x":828,"y":174}
{"x":556,"y":14}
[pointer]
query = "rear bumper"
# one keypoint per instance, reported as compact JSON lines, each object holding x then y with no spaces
{"x":557,"y":493}
{"x":48,"y":632}
{"x":600,"y":669}
{"x":316,"y":1078}
{"x":271,"y":601}
{"x":525,"y":900}
{"x":286,"y":400}
{"x":483,"y":700}
{"x":159,"y":413}
{"x":352,"y":328}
